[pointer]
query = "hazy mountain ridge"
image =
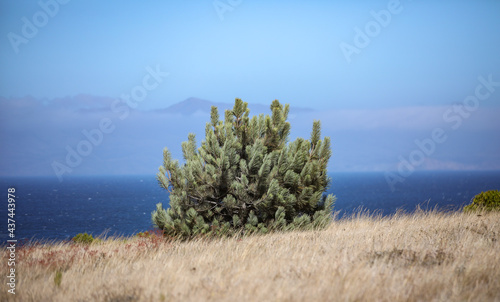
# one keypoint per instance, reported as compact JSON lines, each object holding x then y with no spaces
{"x":85,"y":103}
{"x":35,"y":133}
{"x":193,"y":105}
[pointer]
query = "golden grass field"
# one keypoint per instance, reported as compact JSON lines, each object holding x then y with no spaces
{"x":427,"y":256}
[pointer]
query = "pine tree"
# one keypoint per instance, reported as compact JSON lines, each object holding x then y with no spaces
{"x":246,"y":177}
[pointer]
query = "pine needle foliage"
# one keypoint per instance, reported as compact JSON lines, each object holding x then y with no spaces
{"x":246,"y":177}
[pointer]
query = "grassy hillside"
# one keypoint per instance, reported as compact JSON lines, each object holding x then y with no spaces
{"x":421,"y":257}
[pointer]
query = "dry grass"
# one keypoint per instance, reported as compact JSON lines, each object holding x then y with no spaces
{"x":422,"y":257}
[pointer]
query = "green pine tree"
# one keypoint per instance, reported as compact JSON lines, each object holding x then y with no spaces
{"x":246,"y":177}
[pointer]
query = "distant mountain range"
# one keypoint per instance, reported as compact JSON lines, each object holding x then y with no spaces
{"x":84,"y":103}
{"x":193,"y":105}
{"x":35,"y":133}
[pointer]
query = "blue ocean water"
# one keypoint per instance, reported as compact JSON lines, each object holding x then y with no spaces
{"x":122,"y":205}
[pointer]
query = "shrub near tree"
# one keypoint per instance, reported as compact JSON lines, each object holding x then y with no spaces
{"x":246,"y":177}
{"x":485,"y":201}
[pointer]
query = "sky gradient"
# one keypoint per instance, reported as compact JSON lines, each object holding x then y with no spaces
{"x":379,"y":74}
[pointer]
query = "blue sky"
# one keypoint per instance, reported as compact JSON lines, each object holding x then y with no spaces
{"x":424,"y":59}
{"x":428,"y":54}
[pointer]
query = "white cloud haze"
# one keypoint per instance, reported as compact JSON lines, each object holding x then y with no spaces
{"x":36,"y":133}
